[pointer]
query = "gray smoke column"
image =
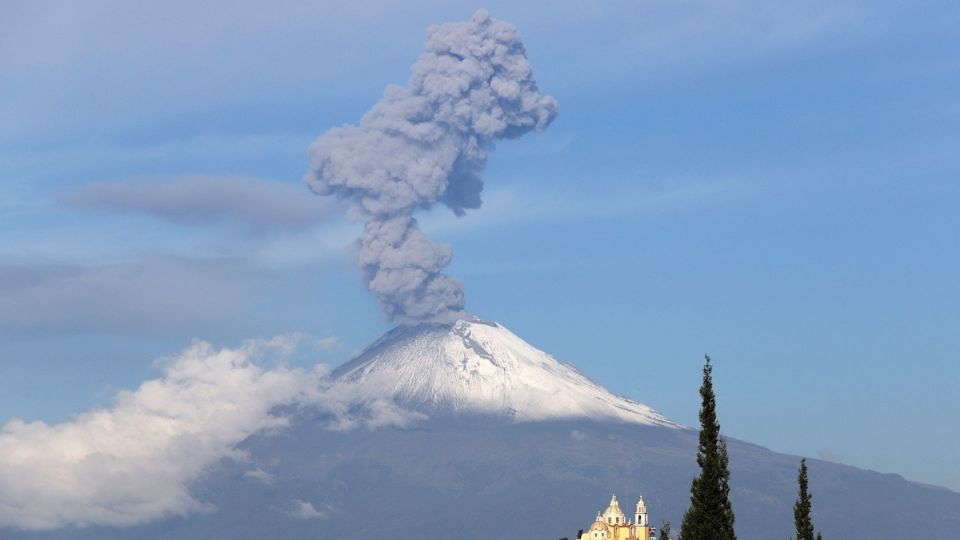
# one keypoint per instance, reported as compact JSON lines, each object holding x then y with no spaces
{"x":426,"y":143}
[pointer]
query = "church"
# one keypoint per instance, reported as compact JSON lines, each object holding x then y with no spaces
{"x":612,"y":524}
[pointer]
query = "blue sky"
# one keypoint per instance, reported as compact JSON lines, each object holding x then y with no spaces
{"x":773,"y":184}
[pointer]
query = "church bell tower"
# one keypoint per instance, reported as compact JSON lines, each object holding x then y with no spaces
{"x":642,"y":520}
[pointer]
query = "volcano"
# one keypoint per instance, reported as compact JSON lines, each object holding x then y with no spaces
{"x":466,"y":431}
{"x":481,"y":367}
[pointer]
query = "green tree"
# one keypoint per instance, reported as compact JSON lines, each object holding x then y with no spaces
{"x":728,"y":517}
{"x":802,"y":508}
{"x":710,"y":516}
{"x":665,"y":531}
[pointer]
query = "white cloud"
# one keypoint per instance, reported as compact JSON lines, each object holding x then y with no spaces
{"x":306,"y":510}
{"x":328,"y":343}
{"x":384,"y":413}
{"x":134,"y":462}
{"x":370,"y":415}
{"x":261,"y":476}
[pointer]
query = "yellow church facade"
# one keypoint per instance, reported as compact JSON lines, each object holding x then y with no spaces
{"x":612,"y":524}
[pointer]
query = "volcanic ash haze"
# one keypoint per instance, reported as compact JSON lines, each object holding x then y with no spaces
{"x":424,"y":143}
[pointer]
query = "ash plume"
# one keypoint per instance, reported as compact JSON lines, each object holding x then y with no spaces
{"x":426,"y":143}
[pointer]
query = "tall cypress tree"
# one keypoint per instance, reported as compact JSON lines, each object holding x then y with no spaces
{"x":710,"y":516}
{"x":803,"y":506}
{"x":728,"y":517}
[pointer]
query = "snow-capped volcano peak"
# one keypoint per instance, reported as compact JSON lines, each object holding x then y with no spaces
{"x":477,"y":366}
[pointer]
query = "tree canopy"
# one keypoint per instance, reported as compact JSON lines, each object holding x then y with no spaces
{"x":803,"y":507}
{"x":710,"y":516}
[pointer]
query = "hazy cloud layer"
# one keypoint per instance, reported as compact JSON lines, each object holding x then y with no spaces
{"x":198,"y":198}
{"x":153,"y":296}
{"x":426,"y":143}
{"x":135,"y":461}
{"x":64,"y":59}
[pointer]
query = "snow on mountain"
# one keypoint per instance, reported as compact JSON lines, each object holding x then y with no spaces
{"x":478,"y":366}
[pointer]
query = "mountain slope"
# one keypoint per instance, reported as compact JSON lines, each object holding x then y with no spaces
{"x":483,"y":477}
{"x":508,"y":443}
{"x":480,"y":367}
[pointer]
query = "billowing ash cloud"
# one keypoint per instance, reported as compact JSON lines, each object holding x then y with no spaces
{"x":425,"y":143}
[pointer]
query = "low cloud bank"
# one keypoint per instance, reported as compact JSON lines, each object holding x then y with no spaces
{"x":259,"y":203}
{"x":135,"y":461}
{"x":148,"y":296}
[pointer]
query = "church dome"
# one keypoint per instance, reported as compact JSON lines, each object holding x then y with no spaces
{"x":598,"y":526}
{"x":614,"y":509}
